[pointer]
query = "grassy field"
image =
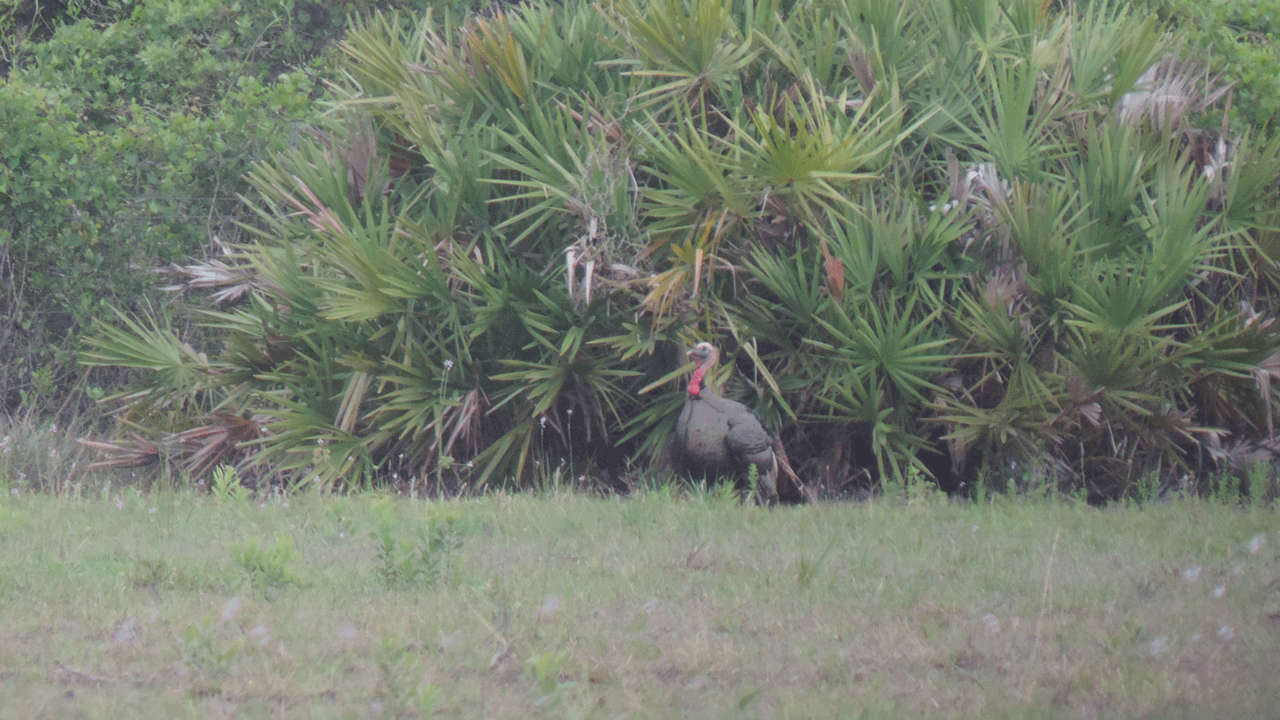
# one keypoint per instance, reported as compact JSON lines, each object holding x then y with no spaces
{"x":173,"y":604}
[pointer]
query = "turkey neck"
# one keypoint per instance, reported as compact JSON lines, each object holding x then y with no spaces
{"x":696,"y":388}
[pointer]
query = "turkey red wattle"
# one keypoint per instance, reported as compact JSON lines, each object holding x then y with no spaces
{"x":695,"y":385}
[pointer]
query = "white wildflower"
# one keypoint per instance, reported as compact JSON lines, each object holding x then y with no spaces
{"x":1255,"y":544}
{"x":1158,"y":646}
{"x":991,"y":623}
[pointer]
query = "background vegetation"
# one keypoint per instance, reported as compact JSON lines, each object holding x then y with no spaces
{"x":127,"y":130}
{"x":985,"y":240}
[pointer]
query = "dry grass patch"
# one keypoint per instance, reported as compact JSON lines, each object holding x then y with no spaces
{"x":144,"y":606}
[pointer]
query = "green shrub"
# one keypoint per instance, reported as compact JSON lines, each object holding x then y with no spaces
{"x":429,"y":559}
{"x":970,"y":241}
{"x":264,"y":569}
{"x":1238,"y":40}
{"x":127,"y":133}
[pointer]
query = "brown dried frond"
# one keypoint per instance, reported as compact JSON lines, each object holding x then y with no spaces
{"x":136,"y":451}
{"x":358,"y":148}
{"x":1242,"y":454}
{"x":976,"y":188}
{"x":1267,"y":371}
{"x":362,"y":153}
{"x":211,"y":445}
{"x":463,"y":422}
{"x":1170,"y":92}
{"x":233,"y":282}
{"x":596,"y":122}
{"x":860,"y":61}
{"x":775,"y":227}
{"x":1084,"y":401}
{"x":321,"y":218}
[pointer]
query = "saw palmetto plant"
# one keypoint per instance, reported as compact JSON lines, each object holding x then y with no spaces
{"x":974,"y":239}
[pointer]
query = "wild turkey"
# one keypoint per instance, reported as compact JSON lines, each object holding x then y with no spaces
{"x":716,"y":437}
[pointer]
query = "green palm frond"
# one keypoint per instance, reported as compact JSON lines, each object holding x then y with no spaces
{"x":1112,"y":44}
{"x":182,"y":375}
{"x":812,"y":152}
{"x":493,"y":49}
{"x":561,"y":167}
{"x":688,"y":48}
{"x":693,"y":178}
{"x":1017,"y":124}
{"x":895,"y":345}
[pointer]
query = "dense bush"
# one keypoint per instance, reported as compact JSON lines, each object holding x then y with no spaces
{"x":951,"y":237}
{"x":126,"y":135}
{"x":1239,"y":41}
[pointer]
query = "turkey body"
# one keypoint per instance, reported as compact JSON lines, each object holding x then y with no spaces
{"x":716,"y":437}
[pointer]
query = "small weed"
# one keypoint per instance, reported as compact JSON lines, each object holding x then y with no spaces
{"x":546,"y":676}
{"x":227,"y":486}
{"x":202,"y":652}
{"x":430,"y":558}
{"x":1148,"y":488}
{"x":657,"y":489}
{"x":915,"y":487}
{"x":150,"y":573}
{"x":396,"y":565}
{"x":404,"y":692}
{"x":807,"y":570}
{"x":346,"y":527}
{"x":710,"y":492}
{"x":1227,"y":489}
{"x":1261,"y":479}
{"x":919,"y":489}
{"x":554,"y":482}
{"x":267,"y":569}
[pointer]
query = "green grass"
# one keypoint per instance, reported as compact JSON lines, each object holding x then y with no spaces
{"x":173,"y":605}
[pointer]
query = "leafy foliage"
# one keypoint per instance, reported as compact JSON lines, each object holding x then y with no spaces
{"x":128,"y":129}
{"x":266,"y":569}
{"x":1238,"y":40}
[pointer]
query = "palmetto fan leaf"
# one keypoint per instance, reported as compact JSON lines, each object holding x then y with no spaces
{"x":1016,"y":428}
{"x":1111,"y":45}
{"x":1017,"y":125}
{"x":690,"y":48}
{"x":897,"y":345}
{"x":493,"y":48}
{"x":813,"y":152}
{"x":693,"y":178}
{"x":183,"y":375}
{"x":561,"y":167}
{"x":1248,"y":193}
{"x":788,"y":312}
{"x":881,"y":44}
